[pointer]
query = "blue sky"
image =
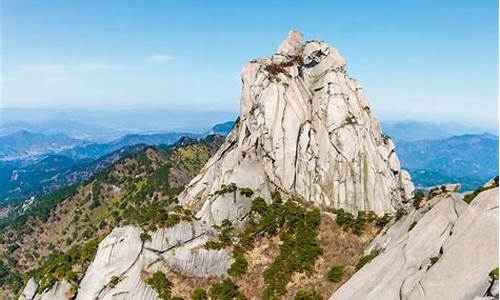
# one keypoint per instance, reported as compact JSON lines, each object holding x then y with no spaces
{"x":427,"y":60}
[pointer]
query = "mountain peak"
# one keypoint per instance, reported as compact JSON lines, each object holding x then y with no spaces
{"x":306,"y":129}
{"x":292,"y":45}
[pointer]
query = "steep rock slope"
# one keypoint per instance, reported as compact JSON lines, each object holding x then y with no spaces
{"x":444,"y":250}
{"x":305,"y":128}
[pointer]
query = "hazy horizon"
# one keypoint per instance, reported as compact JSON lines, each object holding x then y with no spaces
{"x":423,"y":61}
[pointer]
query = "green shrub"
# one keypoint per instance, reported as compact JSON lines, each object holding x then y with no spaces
{"x":298,"y":251}
{"x":412,"y":225}
{"x":259,"y":205}
{"x":215,"y":245}
{"x":172,"y":220}
{"x":401,"y":212}
{"x":199,"y":294}
{"x":58,"y":266}
{"x":145,"y":237}
{"x":227,"y":188}
{"x":469,"y":197}
{"x":240,"y":264}
{"x":159,"y":282}
{"x":335,"y":274}
{"x":355,"y":224}
{"x":226,"y":231}
{"x":367,"y":258}
{"x":225,"y":290}
{"x":247,"y":192}
{"x":418,"y":196}
{"x":494,"y":274}
{"x":343,"y":218}
{"x":384,"y":220}
{"x":113,"y":282}
{"x":304,"y":295}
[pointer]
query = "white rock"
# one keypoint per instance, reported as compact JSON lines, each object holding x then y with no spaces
{"x":124,"y":255}
{"x":464,"y":237}
{"x":29,"y":290}
{"x":60,"y":291}
{"x":308,"y":131}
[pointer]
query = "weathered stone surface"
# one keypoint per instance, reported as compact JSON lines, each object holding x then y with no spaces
{"x":60,"y":291}
{"x":124,"y":255}
{"x":306,"y":128}
{"x":462,"y":238}
{"x":29,"y":290}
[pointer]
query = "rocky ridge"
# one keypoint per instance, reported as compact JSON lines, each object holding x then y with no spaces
{"x":443,"y":250}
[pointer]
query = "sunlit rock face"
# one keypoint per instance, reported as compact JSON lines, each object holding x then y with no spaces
{"x":305,"y":128}
{"x":122,"y":254}
{"x":444,"y":250}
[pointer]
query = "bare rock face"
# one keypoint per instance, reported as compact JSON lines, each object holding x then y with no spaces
{"x":60,"y":291}
{"x":444,"y":250}
{"x":29,"y":290}
{"x":123,"y":255}
{"x":305,"y":128}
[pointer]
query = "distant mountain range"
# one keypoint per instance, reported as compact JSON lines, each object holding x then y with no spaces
{"x":95,"y":150}
{"x":35,"y":163}
{"x":26,"y":144}
{"x":418,"y":130}
{"x":105,"y":126}
{"x":470,"y":159}
{"x":44,"y":163}
{"x":53,"y":172}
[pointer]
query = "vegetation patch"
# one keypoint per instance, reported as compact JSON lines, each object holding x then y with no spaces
{"x":225,"y":290}
{"x":494,"y":274}
{"x":160,"y":283}
{"x":240,"y":264}
{"x":412,"y":225}
{"x":401,"y":212}
{"x":227,"y":188}
{"x":335,"y":273}
{"x":367,"y":259}
{"x":275,"y":68}
{"x":247,"y":192}
{"x":199,"y":294}
{"x":69,"y":266}
{"x":145,"y":237}
{"x":113,"y":282}
{"x":468,"y":198}
{"x":418,"y":196}
{"x":307,"y":295}
{"x":355,"y":224}
{"x":299,"y":251}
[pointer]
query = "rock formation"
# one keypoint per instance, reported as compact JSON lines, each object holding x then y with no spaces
{"x":444,"y":250}
{"x":305,"y":128}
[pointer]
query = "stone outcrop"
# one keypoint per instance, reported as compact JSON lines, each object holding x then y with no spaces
{"x":124,"y":255}
{"x":60,"y":291}
{"x":305,"y":128}
{"x":444,"y":250}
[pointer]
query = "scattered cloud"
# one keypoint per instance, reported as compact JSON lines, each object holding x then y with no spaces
{"x":161,"y":58}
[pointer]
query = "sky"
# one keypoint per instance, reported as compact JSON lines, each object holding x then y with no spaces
{"x":424,"y":60}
